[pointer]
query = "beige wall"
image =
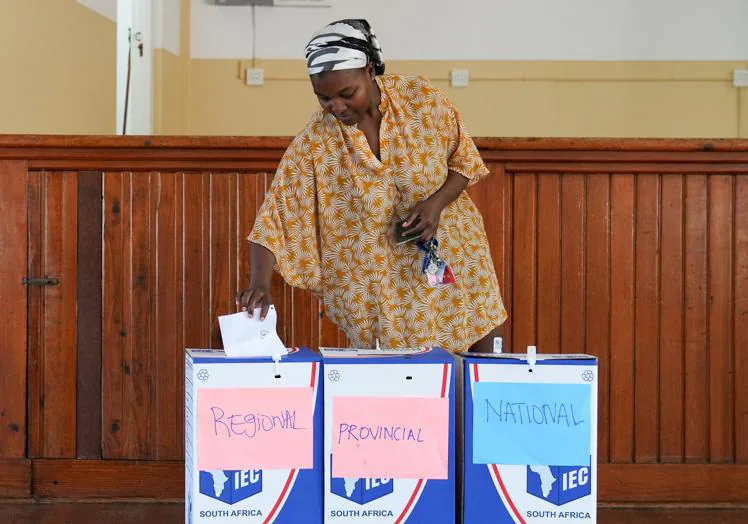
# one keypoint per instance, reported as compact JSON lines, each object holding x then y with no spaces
{"x":171,"y":115}
{"x":642,"y":99}
{"x":58,"y":68}
{"x":170,"y":73}
{"x":221,"y":104}
{"x":59,"y":77}
{"x":743,"y":115}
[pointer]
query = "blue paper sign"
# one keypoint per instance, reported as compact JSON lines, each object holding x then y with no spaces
{"x":527,"y":424}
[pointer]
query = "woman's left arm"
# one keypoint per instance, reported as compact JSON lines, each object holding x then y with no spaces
{"x":424,"y":218}
{"x":464,"y":165}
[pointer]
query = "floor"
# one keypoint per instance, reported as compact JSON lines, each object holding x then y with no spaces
{"x":45,"y":512}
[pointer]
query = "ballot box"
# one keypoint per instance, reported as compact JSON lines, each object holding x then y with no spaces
{"x":528,"y":445}
{"x":389,"y":436}
{"x":253,"y":438}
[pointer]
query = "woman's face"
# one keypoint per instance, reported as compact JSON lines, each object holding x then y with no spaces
{"x":347,"y":94}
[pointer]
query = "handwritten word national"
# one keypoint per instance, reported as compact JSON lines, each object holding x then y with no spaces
{"x":521,"y":413}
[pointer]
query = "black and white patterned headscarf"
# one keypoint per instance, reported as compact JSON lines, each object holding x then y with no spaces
{"x":344,"y":44}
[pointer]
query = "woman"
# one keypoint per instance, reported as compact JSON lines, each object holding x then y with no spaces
{"x":382,"y":150}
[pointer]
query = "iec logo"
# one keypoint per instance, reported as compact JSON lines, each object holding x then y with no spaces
{"x":559,"y":485}
{"x":231,"y":486}
{"x":361,"y":491}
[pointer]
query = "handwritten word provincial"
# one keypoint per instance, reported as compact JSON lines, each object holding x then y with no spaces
{"x":392,"y":433}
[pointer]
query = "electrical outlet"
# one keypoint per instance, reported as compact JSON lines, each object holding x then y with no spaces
{"x":459,"y":78}
{"x":255,"y":77}
{"x":740,"y":78}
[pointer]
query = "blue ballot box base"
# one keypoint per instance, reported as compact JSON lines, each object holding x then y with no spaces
{"x":528,"y":449}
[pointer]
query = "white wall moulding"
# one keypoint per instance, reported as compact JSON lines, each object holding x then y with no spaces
{"x":609,"y":30}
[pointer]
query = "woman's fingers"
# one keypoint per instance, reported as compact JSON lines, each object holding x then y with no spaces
{"x":265,"y":307}
{"x":251,"y":299}
{"x":413,"y":224}
{"x":242,"y":298}
{"x":428,"y":233}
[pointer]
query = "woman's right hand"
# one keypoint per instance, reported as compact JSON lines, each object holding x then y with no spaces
{"x":257,"y":295}
{"x":254,"y":297}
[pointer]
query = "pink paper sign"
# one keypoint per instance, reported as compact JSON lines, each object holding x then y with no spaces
{"x":254,"y":428}
{"x":390,"y":437}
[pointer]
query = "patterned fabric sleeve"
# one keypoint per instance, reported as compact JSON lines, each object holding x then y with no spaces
{"x":463,"y":154}
{"x":286,"y":223}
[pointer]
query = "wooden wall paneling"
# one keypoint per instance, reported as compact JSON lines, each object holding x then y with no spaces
{"x":597,"y":297}
{"x":647,"y":311}
{"x":740,"y":321}
{"x":166,"y":417}
{"x":15,"y":478}
{"x":180,"y":308}
{"x":89,"y":313}
{"x":721,"y":360}
{"x":525,"y":239}
{"x":507,"y":259}
{"x":272,"y":147}
{"x":206,"y":314}
{"x":302,"y":317}
{"x":573,"y":203}
{"x":60,"y":398}
{"x":13,"y":357}
{"x":245,"y":219}
{"x":154,"y":165}
{"x":35,"y":296}
{"x":328,"y":332}
{"x":582,"y":167}
{"x":549,"y":264}
{"x":130,"y":291}
{"x":108,"y":479}
{"x":288,"y":310}
{"x":53,"y":376}
{"x":647,"y":270}
{"x":622,"y":193}
{"x":316,"y":313}
{"x":671,"y":321}
{"x":138,"y":363}
{"x":695,"y":326}
{"x":343,"y":340}
{"x":115,"y":322}
{"x":194,"y":252}
{"x":60,"y":337}
{"x":618,"y":483}
{"x":707,"y":484}
{"x":222,"y":250}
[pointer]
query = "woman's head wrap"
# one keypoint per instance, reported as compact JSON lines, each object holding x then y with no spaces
{"x":344,"y":44}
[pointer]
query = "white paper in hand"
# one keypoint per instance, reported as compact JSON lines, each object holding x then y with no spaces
{"x":245,"y":336}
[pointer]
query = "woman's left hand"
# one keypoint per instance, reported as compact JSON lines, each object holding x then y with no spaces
{"x":424,"y":218}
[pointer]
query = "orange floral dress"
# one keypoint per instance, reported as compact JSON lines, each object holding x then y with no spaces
{"x":329,"y":219}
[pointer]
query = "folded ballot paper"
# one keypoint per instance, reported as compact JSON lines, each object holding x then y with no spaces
{"x":248,"y":336}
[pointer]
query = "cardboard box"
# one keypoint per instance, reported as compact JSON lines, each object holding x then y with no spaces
{"x":237,"y":494}
{"x":537,"y":422}
{"x":418,"y":387}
